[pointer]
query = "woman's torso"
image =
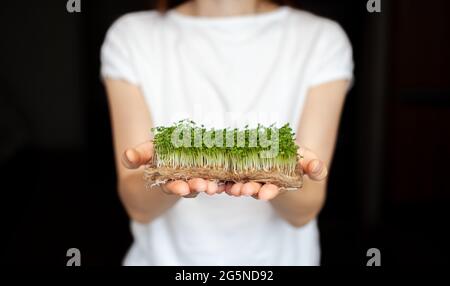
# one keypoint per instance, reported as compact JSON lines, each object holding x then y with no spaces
{"x":225,"y":72}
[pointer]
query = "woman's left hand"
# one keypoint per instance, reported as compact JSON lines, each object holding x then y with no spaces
{"x":312,"y":166}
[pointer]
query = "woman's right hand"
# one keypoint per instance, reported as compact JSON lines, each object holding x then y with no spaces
{"x":134,"y":158}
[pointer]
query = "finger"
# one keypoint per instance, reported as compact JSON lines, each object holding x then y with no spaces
{"x":311,"y":165}
{"x":228,"y":187}
{"x":250,"y":188}
{"x":316,"y":170}
{"x":236,"y":189}
{"x":212,"y":188}
{"x":268,"y":192}
{"x":135,"y":157}
{"x":179,"y":188}
{"x":221,"y":188}
{"x":191,"y":195}
{"x":306,"y":156}
{"x":198,"y":185}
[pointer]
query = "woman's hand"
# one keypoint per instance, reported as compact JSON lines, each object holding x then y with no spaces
{"x":140,"y":155}
{"x":313,"y":167}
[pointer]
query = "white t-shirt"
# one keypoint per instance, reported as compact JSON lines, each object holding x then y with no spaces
{"x":225,"y":72}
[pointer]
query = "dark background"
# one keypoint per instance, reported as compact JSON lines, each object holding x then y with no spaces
{"x":388,"y":186}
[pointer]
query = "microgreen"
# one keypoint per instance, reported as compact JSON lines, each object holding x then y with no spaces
{"x":185,"y":145}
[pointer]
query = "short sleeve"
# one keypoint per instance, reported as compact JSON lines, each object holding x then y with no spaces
{"x":333,"y":56}
{"x":116,"y":53}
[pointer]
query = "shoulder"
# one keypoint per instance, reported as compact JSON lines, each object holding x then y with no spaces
{"x":317,"y":26}
{"x":137,"y":18}
{"x":134,"y":23}
{"x":122,"y":45}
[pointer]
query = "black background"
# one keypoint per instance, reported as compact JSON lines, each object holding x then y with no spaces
{"x":387,"y":189}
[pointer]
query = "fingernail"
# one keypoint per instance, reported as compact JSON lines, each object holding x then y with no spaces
{"x":125,"y":159}
{"x":318,"y":167}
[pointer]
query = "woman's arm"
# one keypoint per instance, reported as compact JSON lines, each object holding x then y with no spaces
{"x":317,"y":131}
{"x":131,"y":124}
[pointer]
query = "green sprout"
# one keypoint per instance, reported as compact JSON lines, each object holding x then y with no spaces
{"x":187,"y":145}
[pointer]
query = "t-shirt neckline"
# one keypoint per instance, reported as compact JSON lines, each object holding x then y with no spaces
{"x":229,"y":20}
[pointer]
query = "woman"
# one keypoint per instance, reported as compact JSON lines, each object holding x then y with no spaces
{"x":224,"y":56}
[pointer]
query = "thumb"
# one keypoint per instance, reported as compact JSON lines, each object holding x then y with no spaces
{"x":137,"y":156}
{"x":312,"y":166}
